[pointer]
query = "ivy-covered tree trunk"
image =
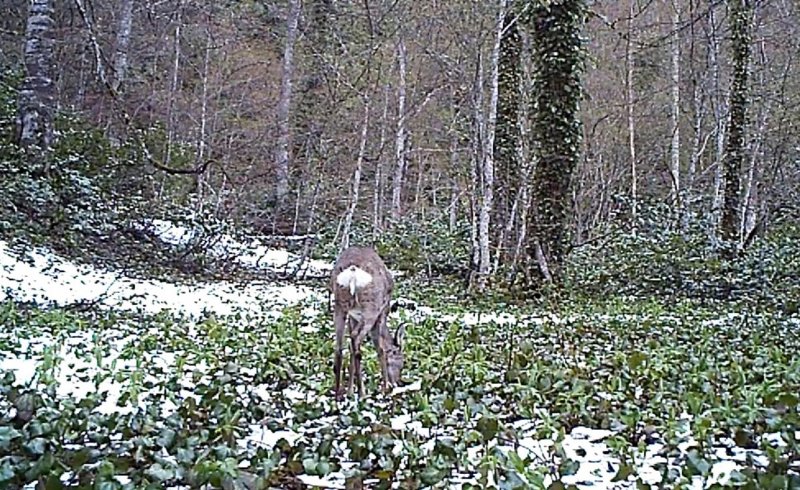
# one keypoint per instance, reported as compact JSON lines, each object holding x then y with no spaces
{"x":559,"y":53}
{"x":36,"y":98}
{"x":740,"y":12}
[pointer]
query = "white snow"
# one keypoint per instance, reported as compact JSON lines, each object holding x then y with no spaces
{"x":45,"y":278}
{"x":252,"y":253}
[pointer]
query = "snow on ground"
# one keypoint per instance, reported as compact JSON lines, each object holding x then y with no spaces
{"x":253,"y":253}
{"x":45,"y":278}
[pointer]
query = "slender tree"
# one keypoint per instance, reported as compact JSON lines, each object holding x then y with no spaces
{"x":675,"y":114}
{"x":284,"y":106}
{"x":629,"y":103}
{"x":37,"y":96}
{"x":400,"y":134}
{"x":487,"y":157}
{"x":507,"y":132}
{"x":122,"y":44}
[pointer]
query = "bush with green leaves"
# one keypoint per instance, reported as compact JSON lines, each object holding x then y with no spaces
{"x":660,"y":260}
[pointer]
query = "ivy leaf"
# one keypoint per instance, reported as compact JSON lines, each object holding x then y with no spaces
{"x":431,"y":475}
{"x":8,"y":434}
{"x":36,"y":446}
{"x":696,"y":464}
{"x":166,"y":438}
{"x":623,"y":473}
{"x":488,"y":427}
{"x":53,"y":483}
{"x":568,"y":467}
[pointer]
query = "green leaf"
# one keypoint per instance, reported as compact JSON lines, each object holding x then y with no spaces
{"x":6,"y":472}
{"x":790,"y":400}
{"x":36,"y":446}
{"x":53,"y":483}
{"x":696,"y":464}
{"x":166,"y":438}
{"x":623,"y":473}
{"x":636,"y":359}
{"x":79,"y":458}
{"x":568,"y":467}
{"x":8,"y":434}
{"x":488,"y":427}
{"x":431,"y":475}
{"x":159,"y":472}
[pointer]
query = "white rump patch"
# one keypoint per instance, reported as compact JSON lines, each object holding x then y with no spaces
{"x":354,"y":278}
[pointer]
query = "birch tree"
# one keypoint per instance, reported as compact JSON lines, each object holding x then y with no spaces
{"x":122,"y":44}
{"x":487,"y":165}
{"x":675,"y":113}
{"x":37,"y":95}
{"x":720,"y":115}
{"x":354,"y":193}
{"x":400,"y":133}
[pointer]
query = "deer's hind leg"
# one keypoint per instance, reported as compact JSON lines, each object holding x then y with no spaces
{"x":355,"y":355}
{"x":339,"y":321}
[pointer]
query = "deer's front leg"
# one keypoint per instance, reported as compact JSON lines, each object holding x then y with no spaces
{"x":379,"y":341}
{"x":339,"y":323}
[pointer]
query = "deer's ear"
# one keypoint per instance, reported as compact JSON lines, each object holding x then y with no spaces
{"x":400,"y":335}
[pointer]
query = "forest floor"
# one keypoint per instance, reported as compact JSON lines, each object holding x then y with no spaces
{"x":177,"y":383}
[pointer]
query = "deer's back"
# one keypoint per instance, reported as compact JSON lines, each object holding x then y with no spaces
{"x":377,"y":292}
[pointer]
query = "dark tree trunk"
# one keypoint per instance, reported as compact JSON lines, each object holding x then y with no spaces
{"x":740,"y":14}
{"x":558,"y":51}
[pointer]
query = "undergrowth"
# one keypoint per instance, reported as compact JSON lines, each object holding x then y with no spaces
{"x":123,"y":401}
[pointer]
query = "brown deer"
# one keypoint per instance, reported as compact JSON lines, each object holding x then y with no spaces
{"x":362,"y":292}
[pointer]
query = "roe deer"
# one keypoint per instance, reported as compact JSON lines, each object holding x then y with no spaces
{"x":362,"y":291}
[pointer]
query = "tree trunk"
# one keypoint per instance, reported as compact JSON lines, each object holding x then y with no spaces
{"x":37,"y":96}
{"x":720,"y":114}
{"x":740,"y":14}
{"x":487,"y":168}
{"x":174,"y":86}
{"x":201,"y":137}
{"x":559,"y":55}
{"x":698,"y":117}
{"x":507,"y":139}
{"x":122,"y":44}
{"x":630,"y":101}
{"x":377,"y":208}
{"x":478,"y":135}
{"x":675,"y":144}
{"x":362,"y":149}
{"x":455,"y":192}
{"x":284,"y":107}
{"x":400,"y":135}
{"x":750,"y":196}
